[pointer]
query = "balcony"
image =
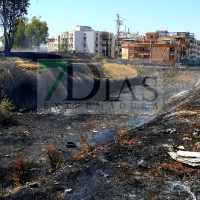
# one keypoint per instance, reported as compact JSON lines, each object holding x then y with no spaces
{"x":137,"y":51}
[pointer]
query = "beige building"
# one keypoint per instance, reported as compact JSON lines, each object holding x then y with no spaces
{"x":53,"y":44}
{"x":158,"y":47}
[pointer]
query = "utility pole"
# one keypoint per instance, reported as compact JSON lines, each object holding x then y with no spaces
{"x":150,"y":53}
{"x":119,"y":24}
{"x":179,"y":51}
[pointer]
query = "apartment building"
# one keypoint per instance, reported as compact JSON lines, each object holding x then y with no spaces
{"x":158,"y":47}
{"x":53,"y":44}
{"x":107,"y":44}
{"x":85,"y":39}
{"x":120,"y":39}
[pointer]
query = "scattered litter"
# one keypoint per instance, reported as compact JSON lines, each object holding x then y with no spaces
{"x":186,"y":138}
{"x":68,"y":191}
{"x":71,"y":145}
{"x":26,"y":132}
{"x":181,"y":147}
{"x":196,"y":132}
{"x":170,"y":130}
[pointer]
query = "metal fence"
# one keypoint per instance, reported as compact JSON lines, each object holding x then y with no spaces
{"x":191,"y":63}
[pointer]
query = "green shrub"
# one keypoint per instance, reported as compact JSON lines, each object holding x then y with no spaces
{"x":6,"y":106}
{"x":55,"y":157}
{"x":6,"y":116}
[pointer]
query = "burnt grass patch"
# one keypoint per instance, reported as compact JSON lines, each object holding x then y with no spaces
{"x":134,"y":165}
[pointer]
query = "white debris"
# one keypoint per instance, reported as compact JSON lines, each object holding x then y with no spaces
{"x":190,"y":154}
{"x":186,"y":157}
{"x":68,"y":191}
{"x":181,"y":147}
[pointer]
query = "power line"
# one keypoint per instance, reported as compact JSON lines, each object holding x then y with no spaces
{"x":136,"y":24}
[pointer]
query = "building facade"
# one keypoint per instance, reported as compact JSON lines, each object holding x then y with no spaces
{"x":53,"y":44}
{"x":158,"y":47}
{"x":85,"y":39}
{"x":120,"y":39}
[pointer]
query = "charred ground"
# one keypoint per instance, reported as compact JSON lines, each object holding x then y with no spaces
{"x":132,"y":164}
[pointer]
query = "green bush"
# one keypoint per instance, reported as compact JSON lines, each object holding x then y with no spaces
{"x":6,"y":116}
{"x":55,"y":157}
{"x":6,"y":106}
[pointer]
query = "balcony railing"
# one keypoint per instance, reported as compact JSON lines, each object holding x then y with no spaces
{"x":139,"y":51}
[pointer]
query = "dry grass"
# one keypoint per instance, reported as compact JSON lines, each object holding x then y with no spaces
{"x":83,"y":153}
{"x":87,"y":151}
{"x":22,"y":63}
{"x":22,"y":171}
{"x":132,"y":143}
{"x":176,"y":168}
{"x":28,"y":66}
{"x":114,"y":70}
{"x":120,"y":133}
{"x":84,"y":139}
{"x":25,"y":64}
{"x":87,"y":147}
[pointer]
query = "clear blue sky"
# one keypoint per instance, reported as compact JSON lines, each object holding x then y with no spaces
{"x":142,"y":16}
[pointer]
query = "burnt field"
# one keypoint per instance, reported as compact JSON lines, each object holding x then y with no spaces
{"x":105,"y":156}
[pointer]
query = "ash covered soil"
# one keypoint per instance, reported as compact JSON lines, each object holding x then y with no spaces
{"x":124,"y":159}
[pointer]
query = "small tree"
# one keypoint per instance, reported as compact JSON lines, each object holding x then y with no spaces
{"x":10,"y":11}
{"x":36,"y":32}
{"x":63,"y":46}
{"x":20,"y":38}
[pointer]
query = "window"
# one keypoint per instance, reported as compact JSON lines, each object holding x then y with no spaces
{"x":151,"y":37}
{"x":172,"y":48}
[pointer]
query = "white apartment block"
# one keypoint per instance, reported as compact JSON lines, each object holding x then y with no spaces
{"x":85,"y":39}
